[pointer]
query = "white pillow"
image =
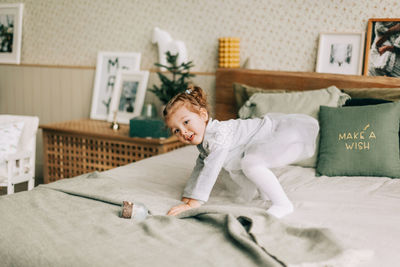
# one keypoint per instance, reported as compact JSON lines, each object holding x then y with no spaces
{"x":10,"y":134}
{"x":304,"y":102}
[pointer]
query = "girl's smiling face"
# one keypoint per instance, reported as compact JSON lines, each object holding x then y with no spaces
{"x":187,"y":125}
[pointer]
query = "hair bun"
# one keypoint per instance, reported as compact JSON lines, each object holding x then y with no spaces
{"x":194,"y":96}
{"x":199,"y":95}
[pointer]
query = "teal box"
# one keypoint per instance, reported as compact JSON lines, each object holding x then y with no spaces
{"x":148,"y":127}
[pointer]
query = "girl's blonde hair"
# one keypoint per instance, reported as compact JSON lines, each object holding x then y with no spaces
{"x":194,"y":98}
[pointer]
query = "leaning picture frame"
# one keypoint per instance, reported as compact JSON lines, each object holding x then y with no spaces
{"x":10,"y":33}
{"x":107,"y":66}
{"x":340,"y":53}
{"x":382,"y":49}
{"x":128,"y":96}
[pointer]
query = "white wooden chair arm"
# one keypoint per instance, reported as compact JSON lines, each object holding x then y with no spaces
{"x":20,"y":155}
{"x":20,"y":166}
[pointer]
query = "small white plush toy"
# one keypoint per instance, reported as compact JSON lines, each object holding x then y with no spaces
{"x":166,"y":43}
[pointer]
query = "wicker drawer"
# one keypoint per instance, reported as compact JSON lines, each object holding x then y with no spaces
{"x":76,"y":147}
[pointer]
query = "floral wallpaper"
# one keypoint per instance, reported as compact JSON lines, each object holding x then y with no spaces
{"x":274,"y":34}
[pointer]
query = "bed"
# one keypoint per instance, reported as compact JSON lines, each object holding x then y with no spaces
{"x":338,"y":221}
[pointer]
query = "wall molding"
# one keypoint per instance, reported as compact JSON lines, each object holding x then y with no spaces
{"x":90,"y":68}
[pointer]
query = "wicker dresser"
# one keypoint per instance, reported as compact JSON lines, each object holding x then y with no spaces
{"x":75,"y":147}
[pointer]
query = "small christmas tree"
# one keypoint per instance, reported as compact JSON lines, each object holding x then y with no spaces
{"x":179,"y":81}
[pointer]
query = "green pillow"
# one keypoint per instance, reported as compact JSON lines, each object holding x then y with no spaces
{"x":243,"y":92}
{"x":303,"y":102}
{"x":359,"y":141}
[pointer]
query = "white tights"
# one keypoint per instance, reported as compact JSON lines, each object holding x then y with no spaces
{"x":281,"y":150}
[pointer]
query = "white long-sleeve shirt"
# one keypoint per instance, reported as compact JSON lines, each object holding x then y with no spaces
{"x":224,"y":144}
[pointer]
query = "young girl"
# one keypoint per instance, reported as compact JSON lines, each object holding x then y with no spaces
{"x":250,"y":147}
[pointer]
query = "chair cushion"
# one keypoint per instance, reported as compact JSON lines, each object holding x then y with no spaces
{"x":22,"y":138}
{"x":28,"y":136}
{"x":10,"y":134}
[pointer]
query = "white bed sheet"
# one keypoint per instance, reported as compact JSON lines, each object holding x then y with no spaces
{"x":362,"y":212}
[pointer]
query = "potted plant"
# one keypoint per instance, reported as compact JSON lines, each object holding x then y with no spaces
{"x":177,"y":81}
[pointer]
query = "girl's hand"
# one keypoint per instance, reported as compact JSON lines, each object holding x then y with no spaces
{"x":189,"y":203}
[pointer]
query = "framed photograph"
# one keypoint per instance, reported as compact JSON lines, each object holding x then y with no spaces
{"x":340,"y":53}
{"x":128,"y":97}
{"x":107,"y":67}
{"x":10,"y":32}
{"x":382,"y":52}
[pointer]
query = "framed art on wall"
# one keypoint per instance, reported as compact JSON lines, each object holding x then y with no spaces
{"x":107,"y":67}
{"x":128,"y":96}
{"x":340,"y":53}
{"x":10,"y":32}
{"x":382,"y":53}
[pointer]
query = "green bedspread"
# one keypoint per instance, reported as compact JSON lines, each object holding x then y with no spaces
{"x":75,"y":222}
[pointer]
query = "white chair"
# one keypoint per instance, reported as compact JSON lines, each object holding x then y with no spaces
{"x":17,"y":161}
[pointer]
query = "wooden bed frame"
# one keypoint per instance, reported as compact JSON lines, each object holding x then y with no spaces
{"x":225,"y":107}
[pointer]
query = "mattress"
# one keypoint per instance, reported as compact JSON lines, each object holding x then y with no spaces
{"x":360,"y":213}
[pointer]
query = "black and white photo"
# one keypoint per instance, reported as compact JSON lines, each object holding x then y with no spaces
{"x":10,"y":32}
{"x":340,"y":53}
{"x":108,"y":65}
{"x":128,"y":96}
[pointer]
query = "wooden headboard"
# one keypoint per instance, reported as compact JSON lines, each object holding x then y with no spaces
{"x":225,"y":106}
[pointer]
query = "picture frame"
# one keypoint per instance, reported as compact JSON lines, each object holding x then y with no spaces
{"x":382,"y":47}
{"x":107,"y":66}
{"x":128,"y":97}
{"x":11,"y":33}
{"x":341,"y":53}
